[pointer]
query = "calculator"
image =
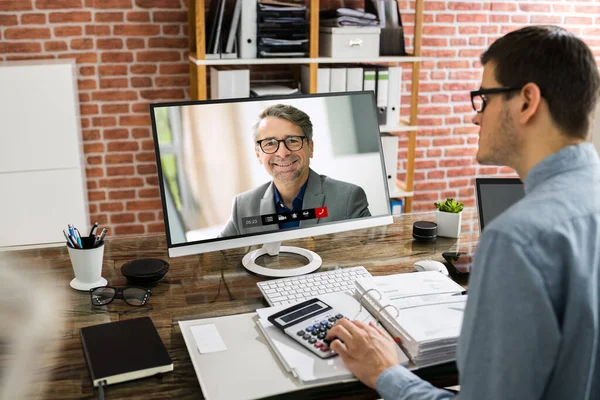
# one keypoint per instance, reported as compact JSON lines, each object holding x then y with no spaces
{"x":308,"y":323}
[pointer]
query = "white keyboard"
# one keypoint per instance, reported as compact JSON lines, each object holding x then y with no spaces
{"x":304,"y":287}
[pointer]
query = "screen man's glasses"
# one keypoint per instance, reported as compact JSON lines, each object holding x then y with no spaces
{"x":132,"y":295}
{"x":479,"y":97}
{"x":271,"y":145}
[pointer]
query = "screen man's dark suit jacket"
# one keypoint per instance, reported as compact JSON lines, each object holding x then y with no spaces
{"x":343,"y":201}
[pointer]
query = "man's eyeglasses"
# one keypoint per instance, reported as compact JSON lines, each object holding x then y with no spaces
{"x":271,"y":145}
{"x":133,"y":295}
{"x":479,"y":97}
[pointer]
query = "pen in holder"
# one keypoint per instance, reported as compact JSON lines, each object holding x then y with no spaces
{"x":87,"y":265}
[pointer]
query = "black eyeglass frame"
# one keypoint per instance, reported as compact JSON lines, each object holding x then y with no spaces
{"x":483,"y":92}
{"x":119,"y":295}
{"x":259,"y":143}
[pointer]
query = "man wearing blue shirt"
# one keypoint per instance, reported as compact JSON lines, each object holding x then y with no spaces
{"x":532,"y":322}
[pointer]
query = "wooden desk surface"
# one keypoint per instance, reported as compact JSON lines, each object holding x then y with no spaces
{"x":193,"y":288}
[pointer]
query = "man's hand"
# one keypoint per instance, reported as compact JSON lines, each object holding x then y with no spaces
{"x":366,"y":350}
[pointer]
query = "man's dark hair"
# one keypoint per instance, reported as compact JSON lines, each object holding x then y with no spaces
{"x":561,"y":64}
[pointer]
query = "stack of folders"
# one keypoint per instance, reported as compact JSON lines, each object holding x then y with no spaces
{"x":282,"y":29}
{"x":424,"y":310}
{"x":303,"y":365}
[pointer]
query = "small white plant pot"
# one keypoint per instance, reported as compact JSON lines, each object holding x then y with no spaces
{"x":448,"y":224}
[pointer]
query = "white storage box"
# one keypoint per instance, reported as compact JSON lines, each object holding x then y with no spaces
{"x":349,"y":42}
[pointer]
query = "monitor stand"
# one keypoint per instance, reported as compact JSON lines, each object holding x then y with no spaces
{"x":273,"y":249}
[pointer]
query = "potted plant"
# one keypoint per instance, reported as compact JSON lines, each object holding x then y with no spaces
{"x":448,"y":218}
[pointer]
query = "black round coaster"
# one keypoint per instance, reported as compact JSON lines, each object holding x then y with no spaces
{"x":425,"y":231}
{"x":145,"y":271}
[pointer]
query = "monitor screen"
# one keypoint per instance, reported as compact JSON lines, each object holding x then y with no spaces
{"x":495,"y":195}
{"x":241,"y":172}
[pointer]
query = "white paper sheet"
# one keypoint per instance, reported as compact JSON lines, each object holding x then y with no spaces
{"x":208,"y":339}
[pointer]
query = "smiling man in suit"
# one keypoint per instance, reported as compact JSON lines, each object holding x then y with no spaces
{"x":284,"y":146}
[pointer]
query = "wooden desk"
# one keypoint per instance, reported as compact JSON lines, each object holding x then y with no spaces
{"x":193,"y":289}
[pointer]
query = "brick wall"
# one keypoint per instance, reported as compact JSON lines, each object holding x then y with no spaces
{"x":133,"y":52}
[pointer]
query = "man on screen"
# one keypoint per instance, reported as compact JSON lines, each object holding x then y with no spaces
{"x":284,"y":146}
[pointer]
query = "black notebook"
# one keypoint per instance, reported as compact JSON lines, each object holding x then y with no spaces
{"x":123,"y":351}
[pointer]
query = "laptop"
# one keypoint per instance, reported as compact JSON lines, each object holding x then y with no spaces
{"x":494,"y":195}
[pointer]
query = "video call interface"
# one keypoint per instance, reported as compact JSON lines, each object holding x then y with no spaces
{"x":218,"y":182}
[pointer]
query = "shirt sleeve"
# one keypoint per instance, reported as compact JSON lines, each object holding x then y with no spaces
{"x":398,"y":383}
{"x":510,"y":333}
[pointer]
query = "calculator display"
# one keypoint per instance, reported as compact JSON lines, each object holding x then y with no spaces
{"x":299,"y":313}
{"x":295,"y":315}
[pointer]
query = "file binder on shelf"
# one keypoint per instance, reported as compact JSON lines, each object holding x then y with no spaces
{"x":394,"y":96}
{"x":248,"y":29}
{"x":382,"y":94}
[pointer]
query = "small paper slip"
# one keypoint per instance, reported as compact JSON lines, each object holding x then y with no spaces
{"x":208,"y":339}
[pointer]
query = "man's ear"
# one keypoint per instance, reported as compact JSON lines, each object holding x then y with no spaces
{"x":531,"y":98}
{"x":256,"y":151}
{"x":312,"y":148}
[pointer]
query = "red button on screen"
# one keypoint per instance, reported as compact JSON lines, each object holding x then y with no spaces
{"x":321,"y":212}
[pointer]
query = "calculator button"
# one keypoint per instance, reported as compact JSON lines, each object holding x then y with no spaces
{"x":328,"y":326}
{"x":312,"y":340}
{"x":332,"y":319}
{"x":316,"y":326}
{"x":323,"y":323}
{"x":318,"y":344}
{"x":300,"y":333}
{"x":306,"y":337}
{"x":324,"y":348}
{"x":322,"y":335}
{"x":327,"y":341}
{"x":323,"y":329}
{"x":315,"y":332}
{"x":309,"y":329}
{"x":339,"y":316}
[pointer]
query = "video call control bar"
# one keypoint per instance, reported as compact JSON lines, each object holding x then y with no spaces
{"x":270,"y":219}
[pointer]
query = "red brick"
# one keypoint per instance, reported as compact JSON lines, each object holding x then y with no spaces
{"x":171,"y":43}
{"x":169,"y":16}
{"x":8,"y":20}
{"x":119,"y":183}
{"x":81,"y":57}
{"x":430,"y":185}
{"x":448,"y":141}
{"x":434,"y":42}
{"x":106,"y":4}
{"x":499,"y":18}
{"x":116,"y":57}
{"x":504,"y":6}
{"x":109,"y":17}
{"x":113,"y":83}
{"x":144,"y":205}
{"x":173,"y":81}
{"x":94,"y":160}
{"x":12,"y":5}
{"x":33,"y":19}
{"x":146,"y":157}
{"x":434,"y":110}
{"x":170,"y":30}
{"x":104,"y":121}
{"x":146,"y":216}
{"x":27,"y":33}
{"x":468,"y":30}
{"x":111,"y":207}
{"x":136,"y":30}
{"x":173,"y":69}
{"x":158,"y":3}
{"x":112,"y":70}
{"x":439,"y":53}
{"x":158,"y":227}
{"x":115,"y":109}
{"x":134,"y":44}
{"x":140,"y":107}
{"x":119,"y":171}
{"x":84,"y":97}
{"x":56,"y":45}
{"x":456,"y":162}
{"x":69,"y":17}
{"x":454,"y":42}
{"x":171,"y":94}
{"x":122,"y":218}
{"x":141,"y":82}
{"x":68,"y":31}
{"x":432,"y":196}
{"x":122,"y":146}
{"x":425,"y":164}
{"x":584,"y":9}
{"x":90,"y":134}
{"x":456,"y":86}
{"x":109,"y":44}
{"x":114,"y":95}
{"x":82,"y":44}
{"x":94,"y":195}
{"x":158,"y":56}
{"x":436,"y":175}
{"x":580,"y":20}
{"x":102,"y":219}
{"x":149,"y":193}
{"x":121,"y":194}
{"x":465,"y":6}
{"x":488,"y":170}
{"x":118,"y":158}
{"x":129,"y":229}
{"x":445,"y":18}
{"x":88,"y":109}
{"x":134,"y":120}
{"x":143,"y":69}
{"x":85,"y":123}
{"x":138,"y":16}
{"x":115,"y":134}
{"x":97,"y":30}
{"x":147,"y":144}
{"x":89,"y":148}
{"x":57,"y":4}
{"x":535,"y":7}
{"x":146,"y":169}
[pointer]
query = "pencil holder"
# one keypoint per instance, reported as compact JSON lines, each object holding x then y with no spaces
{"x":87,"y":265}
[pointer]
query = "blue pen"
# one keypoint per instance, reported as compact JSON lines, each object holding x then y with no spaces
{"x":69,"y":239}
{"x":78,"y":237}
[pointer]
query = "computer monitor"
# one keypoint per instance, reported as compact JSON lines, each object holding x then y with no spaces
{"x":228,"y":178}
{"x":495,"y":195}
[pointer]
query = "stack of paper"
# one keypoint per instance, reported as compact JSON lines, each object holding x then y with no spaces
{"x":424,"y":310}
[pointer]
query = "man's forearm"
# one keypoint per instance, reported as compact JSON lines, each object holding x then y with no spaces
{"x":398,"y":383}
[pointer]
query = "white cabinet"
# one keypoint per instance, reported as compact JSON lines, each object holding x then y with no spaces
{"x":42,"y":178}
